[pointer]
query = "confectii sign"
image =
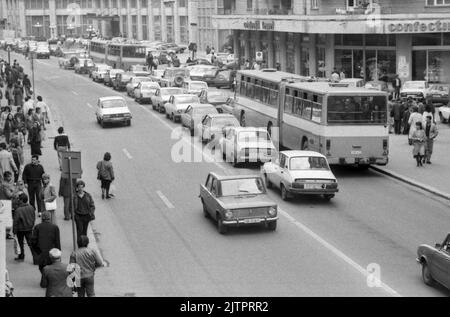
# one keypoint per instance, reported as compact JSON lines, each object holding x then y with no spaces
{"x":419,"y":27}
{"x":258,"y":25}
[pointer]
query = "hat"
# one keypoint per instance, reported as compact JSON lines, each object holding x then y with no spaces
{"x":55,"y":253}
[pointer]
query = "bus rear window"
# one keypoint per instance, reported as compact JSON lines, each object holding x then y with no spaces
{"x":356,"y":110}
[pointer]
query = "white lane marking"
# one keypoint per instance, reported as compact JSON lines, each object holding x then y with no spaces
{"x":165,"y":200}
{"x":89,"y":105}
{"x":336,"y":251}
{"x":125,"y":151}
{"x":75,"y":93}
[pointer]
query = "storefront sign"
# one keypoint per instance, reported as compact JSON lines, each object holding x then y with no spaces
{"x":258,"y":25}
{"x":403,"y":67}
{"x":419,"y":27}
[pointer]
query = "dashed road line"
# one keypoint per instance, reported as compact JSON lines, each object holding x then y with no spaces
{"x":165,"y":200}
{"x":75,"y":93}
{"x":89,"y":105}
{"x":125,"y":151}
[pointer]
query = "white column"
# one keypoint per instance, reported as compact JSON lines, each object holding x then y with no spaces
{"x":176,"y":23}
{"x":129,"y":27}
{"x":163,"y":22}
{"x":151,"y":32}
{"x":139,"y":21}
{"x":23,"y":27}
{"x":312,"y":55}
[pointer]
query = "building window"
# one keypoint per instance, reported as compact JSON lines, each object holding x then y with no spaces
{"x":157,"y":27}
{"x":438,"y":2}
{"x":124,"y":25}
{"x":156,"y":4}
{"x":114,"y":4}
{"x":170,"y":30}
{"x":124,"y":4}
{"x":184,"y":34}
{"x":249,"y":5}
{"x":427,"y":39}
{"x":182,"y":3}
{"x":133,"y":4}
{"x":134,"y":26}
{"x":144,"y":28}
{"x":314,"y":4}
{"x":97,"y":4}
{"x":144,"y":3}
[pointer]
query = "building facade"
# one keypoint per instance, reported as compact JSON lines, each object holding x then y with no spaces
{"x":370,"y":39}
{"x":164,"y":20}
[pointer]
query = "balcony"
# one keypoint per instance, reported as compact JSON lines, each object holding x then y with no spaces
{"x":364,"y":10}
{"x":264,"y":11}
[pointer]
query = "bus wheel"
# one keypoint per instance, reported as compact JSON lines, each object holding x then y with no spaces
{"x":269,"y":128}
{"x":242,"y":121}
{"x":305,"y":145}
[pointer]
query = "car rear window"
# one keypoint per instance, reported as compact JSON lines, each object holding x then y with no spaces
{"x":308,"y":163}
{"x":114,"y":104}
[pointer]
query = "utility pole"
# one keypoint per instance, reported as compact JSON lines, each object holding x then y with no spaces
{"x":2,"y":252}
{"x":32,"y":74}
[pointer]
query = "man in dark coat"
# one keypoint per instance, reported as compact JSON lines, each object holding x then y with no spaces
{"x":45,"y":237}
{"x":397,"y":85}
{"x":32,"y":177}
{"x":84,"y":209}
{"x":54,"y":277}
{"x":23,"y":223}
{"x":397,"y":114}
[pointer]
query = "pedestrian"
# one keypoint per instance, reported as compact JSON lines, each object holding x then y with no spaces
{"x":150,"y":60}
{"x":10,"y":125}
{"x":54,"y":277}
{"x":19,"y":119}
{"x":89,"y":260}
{"x":397,"y":113}
{"x":431,"y":132}
{"x":208,"y":50}
{"x":256,"y":66}
{"x":105,"y":174}
{"x":427,"y":112}
{"x":9,"y":94}
{"x":44,"y":110}
{"x":413,"y":119}
{"x":48,"y":197}
{"x":17,"y":155}
{"x":335,"y":75}
{"x":23,"y":223}
{"x":405,"y":119}
{"x":247,"y":64}
{"x":29,"y":104}
{"x":176,"y":61}
{"x":18,"y":95}
{"x":84,"y":209}
{"x":418,"y":140}
{"x":45,"y":237}
{"x":213,"y":51}
{"x":342,"y":74}
{"x":7,"y":161}
{"x":397,"y":85}
{"x":41,"y":119}
{"x":34,"y":138}
{"x":7,"y":193}
{"x":61,"y":144}
{"x":32,"y":177}
{"x":27,"y":85}
{"x":421,"y":107}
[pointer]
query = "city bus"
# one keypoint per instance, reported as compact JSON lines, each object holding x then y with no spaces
{"x":118,"y":55}
{"x":348,"y":125}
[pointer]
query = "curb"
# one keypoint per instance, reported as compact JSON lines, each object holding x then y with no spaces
{"x":412,"y":182}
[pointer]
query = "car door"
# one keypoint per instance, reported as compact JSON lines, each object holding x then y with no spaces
{"x":214,"y":204}
{"x":98,"y":111}
{"x":205,"y":193}
{"x":170,"y":105}
{"x":278,"y":170}
{"x":440,"y":266}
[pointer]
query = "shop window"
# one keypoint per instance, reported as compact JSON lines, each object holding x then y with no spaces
{"x":419,"y":62}
{"x":376,"y":40}
{"x":446,"y":39}
{"x":353,"y":39}
{"x":338,"y":39}
{"x":427,"y":39}
{"x":343,"y":61}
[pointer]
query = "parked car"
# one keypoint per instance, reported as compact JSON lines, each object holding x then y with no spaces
{"x":69,"y":61}
{"x":156,"y":75}
{"x":435,"y":262}
{"x":139,"y":70}
{"x":42,"y":51}
{"x":178,"y":104}
{"x":193,"y":116}
{"x":98,"y":74}
{"x":221,"y":79}
{"x":112,"y":110}
{"x":134,"y":82}
{"x":84,"y":66}
{"x":237,"y":201}
{"x":444,"y":113}
{"x":439,"y":94}
{"x":218,"y":99}
{"x":199,"y":72}
{"x":162,"y":96}
{"x":121,"y":80}
{"x":213,"y":126}
{"x":111,"y":75}
{"x":416,"y":89}
{"x":174,"y":77}
{"x":300,"y":172}
{"x":247,"y":144}
{"x":199,"y":61}
{"x":144,"y":91}
{"x":195,"y":87}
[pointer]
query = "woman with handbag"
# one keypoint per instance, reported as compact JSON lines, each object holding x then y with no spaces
{"x":48,"y":197}
{"x":105,"y":175}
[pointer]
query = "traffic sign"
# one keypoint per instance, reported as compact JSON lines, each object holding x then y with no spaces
{"x":259,"y":56}
{"x":75,"y":164}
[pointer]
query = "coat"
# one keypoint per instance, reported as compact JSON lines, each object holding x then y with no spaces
{"x":64,"y":187}
{"x":47,"y":194}
{"x":418,"y":138}
{"x":433,"y":131}
{"x":413,"y":119}
{"x":397,"y":111}
{"x":7,"y":163}
{"x":105,"y":170}
{"x":24,"y":218}
{"x":54,"y":278}
{"x":45,"y":237}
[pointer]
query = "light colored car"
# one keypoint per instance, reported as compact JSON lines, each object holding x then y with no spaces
{"x":156,"y":74}
{"x":219,"y":99}
{"x":99,"y":72}
{"x":416,"y":89}
{"x":301,"y":172}
{"x":198,"y":72}
{"x":144,"y":91}
{"x":162,"y":96}
{"x":110,"y":75}
{"x":237,"y":200}
{"x":139,"y":70}
{"x":247,"y":144}
{"x":193,"y":116}
{"x":444,"y":114}
{"x":213,"y":126}
{"x":439,"y":94}
{"x":195,"y":87}
{"x":134,"y":82}
{"x":112,"y":109}
{"x":42,"y":51}
{"x":84,"y":66}
{"x":178,"y":104}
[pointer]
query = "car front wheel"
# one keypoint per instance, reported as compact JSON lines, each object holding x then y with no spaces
{"x":272,"y":226}
{"x":426,"y":275}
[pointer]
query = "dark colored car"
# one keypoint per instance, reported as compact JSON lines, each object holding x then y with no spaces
{"x":439,"y":94}
{"x":121,"y":80}
{"x":84,"y":66}
{"x":237,"y":200}
{"x":220,"y":78}
{"x":435,"y":262}
{"x":199,"y":61}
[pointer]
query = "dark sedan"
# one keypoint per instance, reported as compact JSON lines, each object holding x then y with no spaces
{"x":435,"y":262}
{"x":121,"y":80}
{"x":439,"y":94}
{"x":218,"y":99}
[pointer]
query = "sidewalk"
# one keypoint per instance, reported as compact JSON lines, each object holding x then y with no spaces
{"x":431,"y":177}
{"x":24,"y":275}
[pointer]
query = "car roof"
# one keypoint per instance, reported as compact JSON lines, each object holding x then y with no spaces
{"x":240,"y":129}
{"x":201,"y":105}
{"x":229,"y":177}
{"x":196,"y":82}
{"x":294,"y":153}
{"x":184,"y":95}
{"x":170,"y":88}
{"x":351,"y":80}
{"x":107,"y":98}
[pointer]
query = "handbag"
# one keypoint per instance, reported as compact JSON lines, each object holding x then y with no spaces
{"x":51,"y":205}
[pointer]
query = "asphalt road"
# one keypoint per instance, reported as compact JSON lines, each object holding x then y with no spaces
{"x":159,"y":244}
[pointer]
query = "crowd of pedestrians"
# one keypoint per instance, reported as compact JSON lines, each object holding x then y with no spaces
{"x":23,"y":122}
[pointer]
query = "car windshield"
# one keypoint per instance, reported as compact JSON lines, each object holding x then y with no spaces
{"x":202,"y":111}
{"x":438,"y":88}
{"x":117,"y":103}
{"x":198,"y":86}
{"x":414,"y":85}
{"x":187,"y":99}
{"x":170,"y":92}
{"x":308,"y":163}
{"x":253,"y":136}
{"x":356,"y":110}
{"x":224,"y":122}
{"x":217,"y":98}
{"x":246,"y":186}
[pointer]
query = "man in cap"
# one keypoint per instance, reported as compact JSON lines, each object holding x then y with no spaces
{"x":54,"y":277}
{"x":45,"y":237}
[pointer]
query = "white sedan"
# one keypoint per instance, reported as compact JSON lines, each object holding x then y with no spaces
{"x":444,"y":114}
{"x":300,"y":172}
{"x":144,"y":91}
